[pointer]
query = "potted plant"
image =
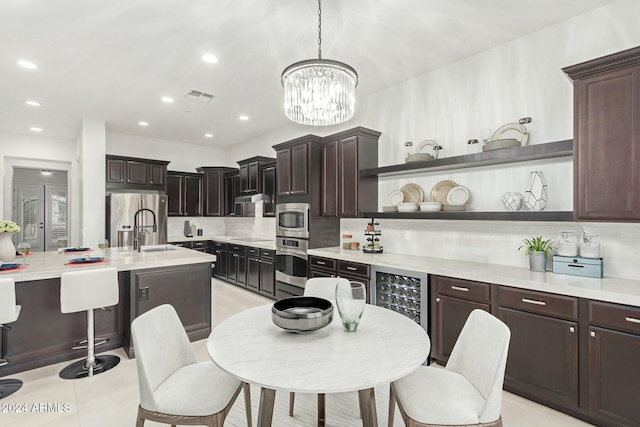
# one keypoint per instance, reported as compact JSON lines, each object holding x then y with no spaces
{"x":538,"y":251}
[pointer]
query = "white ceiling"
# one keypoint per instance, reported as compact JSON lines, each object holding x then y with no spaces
{"x":114,"y":59}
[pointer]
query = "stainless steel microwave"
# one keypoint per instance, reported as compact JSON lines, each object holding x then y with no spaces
{"x":292,"y":220}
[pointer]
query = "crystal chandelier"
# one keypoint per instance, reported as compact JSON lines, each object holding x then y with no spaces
{"x":319,"y":92}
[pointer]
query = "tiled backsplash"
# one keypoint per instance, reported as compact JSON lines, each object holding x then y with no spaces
{"x":497,"y":242}
{"x":215,"y":226}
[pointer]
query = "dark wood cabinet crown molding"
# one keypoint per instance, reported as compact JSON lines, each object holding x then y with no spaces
{"x":619,"y":60}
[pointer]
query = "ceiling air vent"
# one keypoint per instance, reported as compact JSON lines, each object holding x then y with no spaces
{"x":198,"y":95}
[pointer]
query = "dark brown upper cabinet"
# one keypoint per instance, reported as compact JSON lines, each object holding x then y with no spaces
{"x":129,"y":173}
{"x":346,"y":194}
{"x":214,"y":190}
{"x":269,"y":188}
{"x":251,"y":174}
{"x":606,"y":153}
{"x":184,"y":193}
{"x":231,"y":191}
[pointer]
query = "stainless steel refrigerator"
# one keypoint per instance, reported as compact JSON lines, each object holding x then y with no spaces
{"x":123,"y":208}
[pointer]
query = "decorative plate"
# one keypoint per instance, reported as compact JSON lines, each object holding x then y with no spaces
{"x":395,"y":197}
{"x":412,"y":193}
{"x":9,"y":266}
{"x":440,"y":190}
{"x":86,"y":260}
{"x":458,"y":195}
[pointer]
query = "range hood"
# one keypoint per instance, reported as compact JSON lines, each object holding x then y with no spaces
{"x":260,"y":197}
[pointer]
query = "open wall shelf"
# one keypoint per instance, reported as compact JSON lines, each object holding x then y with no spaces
{"x":494,"y":157}
{"x":478,"y":216}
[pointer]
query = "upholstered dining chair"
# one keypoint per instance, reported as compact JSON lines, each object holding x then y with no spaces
{"x":9,"y":313}
{"x":320,"y":287}
{"x":468,"y":391}
{"x":174,"y":387}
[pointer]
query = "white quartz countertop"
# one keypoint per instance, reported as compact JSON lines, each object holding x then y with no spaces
{"x":622,"y":291}
{"x":256,"y":242}
{"x":49,"y":265}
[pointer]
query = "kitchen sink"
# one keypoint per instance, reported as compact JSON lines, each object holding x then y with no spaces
{"x":159,"y":248}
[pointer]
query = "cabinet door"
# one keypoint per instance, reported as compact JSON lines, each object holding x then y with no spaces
{"x":232,"y":267}
{"x":175,"y":196}
{"x":237,"y":207}
{"x":253,"y":273}
{"x":267,"y":277}
{"x":543,"y":356}
{"x":299,"y":169}
{"x":157,"y":174}
{"x":137,"y":172}
{"x":283,"y":165}
{"x":213,"y":199}
{"x":253,"y":182}
{"x":607,"y":152}
{"x":614,"y":379}
{"x":269,"y":188}
{"x":115,"y":171}
{"x":244,"y":179}
{"x":229,"y":197}
{"x":330,"y":186}
{"x":193,"y":195}
{"x":349,"y":176}
{"x":451,"y":315}
{"x":241,"y":278}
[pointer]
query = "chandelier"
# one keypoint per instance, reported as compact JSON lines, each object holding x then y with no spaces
{"x":319,"y":92}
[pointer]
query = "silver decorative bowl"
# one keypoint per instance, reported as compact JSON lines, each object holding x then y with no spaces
{"x":302,"y":314}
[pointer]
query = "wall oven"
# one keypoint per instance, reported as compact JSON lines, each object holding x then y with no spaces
{"x":291,"y":261}
{"x":292,"y":220}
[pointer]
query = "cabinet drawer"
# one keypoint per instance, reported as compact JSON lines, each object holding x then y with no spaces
{"x":182,"y":244}
{"x":324,"y":263}
{"x":461,"y":288}
{"x":218,"y":245}
{"x":236,"y":248}
{"x":353,"y":269}
{"x":620,"y":317}
{"x":267,"y":253}
{"x":538,"y":302}
{"x":255,"y":252}
{"x":199,"y":244}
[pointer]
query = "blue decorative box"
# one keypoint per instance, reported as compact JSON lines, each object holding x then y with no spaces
{"x":577,"y":266}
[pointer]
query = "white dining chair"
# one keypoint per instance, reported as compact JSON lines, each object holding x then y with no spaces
{"x":174,"y":387}
{"x":468,"y":391}
{"x":320,"y":287}
{"x":9,"y":313}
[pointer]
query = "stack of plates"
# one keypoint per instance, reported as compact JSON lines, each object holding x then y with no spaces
{"x":393,"y":208}
{"x":430,"y":206}
{"x":407,"y":207}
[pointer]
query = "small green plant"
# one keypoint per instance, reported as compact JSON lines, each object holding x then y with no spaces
{"x":536,"y":244}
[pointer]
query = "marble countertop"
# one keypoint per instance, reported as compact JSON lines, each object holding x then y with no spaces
{"x":49,"y":265}
{"x":256,"y":242}
{"x":622,"y":291}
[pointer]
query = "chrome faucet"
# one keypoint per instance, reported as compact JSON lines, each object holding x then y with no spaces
{"x":139,"y":229}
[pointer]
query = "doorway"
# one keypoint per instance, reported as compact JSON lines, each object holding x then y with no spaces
{"x":41,"y":208}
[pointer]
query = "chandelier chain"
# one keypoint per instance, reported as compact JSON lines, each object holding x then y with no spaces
{"x":319,"y":29}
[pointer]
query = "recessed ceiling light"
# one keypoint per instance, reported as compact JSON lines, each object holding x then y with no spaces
{"x":33,"y":103}
{"x":167,"y":99}
{"x":211,"y":59}
{"x":208,"y":135}
{"x":27,"y":64}
{"x":143,"y":123}
{"x":35,"y":129}
{"x":243,"y":117}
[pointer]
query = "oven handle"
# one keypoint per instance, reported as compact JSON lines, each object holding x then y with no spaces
{"x":291,"y":252}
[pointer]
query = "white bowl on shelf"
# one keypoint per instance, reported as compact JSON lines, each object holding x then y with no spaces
{"x":408,"y":207}
{"x":393,"y":208}
{"x":431,"y":207}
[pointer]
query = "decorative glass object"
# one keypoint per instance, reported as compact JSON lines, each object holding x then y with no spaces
{"x":536,"y":195}
{"x":350,"y":299}
{"x":512,"y":201}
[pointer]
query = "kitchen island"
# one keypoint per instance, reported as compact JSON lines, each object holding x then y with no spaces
{"x":42,"y":335}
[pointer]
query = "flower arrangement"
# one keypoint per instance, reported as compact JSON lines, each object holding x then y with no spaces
{"x":9,"y":227}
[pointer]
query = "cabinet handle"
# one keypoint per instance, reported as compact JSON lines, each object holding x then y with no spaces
{"x":632,"y":319}
{"x":533,"y":301}
{"x":571,"y":329}
{"x":437,"y":299}
{"x":320,"y":262}
{"x":351,"y":268}
{"x":593,"y":334}
{"x":460,"y":288}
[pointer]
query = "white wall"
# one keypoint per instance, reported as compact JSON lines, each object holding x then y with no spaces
{"x":184,"y":157}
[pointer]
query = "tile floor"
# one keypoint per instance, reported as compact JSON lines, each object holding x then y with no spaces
{"x":111,"y":399}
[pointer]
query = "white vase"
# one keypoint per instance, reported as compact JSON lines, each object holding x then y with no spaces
{"x":7,"y":250}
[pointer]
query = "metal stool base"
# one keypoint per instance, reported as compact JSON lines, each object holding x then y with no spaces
{"x":8,"y":387}
{"x":79,"y":370}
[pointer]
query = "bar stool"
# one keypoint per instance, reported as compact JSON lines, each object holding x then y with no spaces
{"x":86,"y":290}
{"x":9,"y":313}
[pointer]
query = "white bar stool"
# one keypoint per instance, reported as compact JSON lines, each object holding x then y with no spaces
{"x":86,"y":290}
{"x":9,"y":313}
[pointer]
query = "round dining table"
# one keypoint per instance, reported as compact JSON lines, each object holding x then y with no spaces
{"x":386,"y":346}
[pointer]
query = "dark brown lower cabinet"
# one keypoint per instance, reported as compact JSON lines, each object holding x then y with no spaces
{"x":261,"y":271}
{"x":543,"y":356}
{"x":253,"y":272}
